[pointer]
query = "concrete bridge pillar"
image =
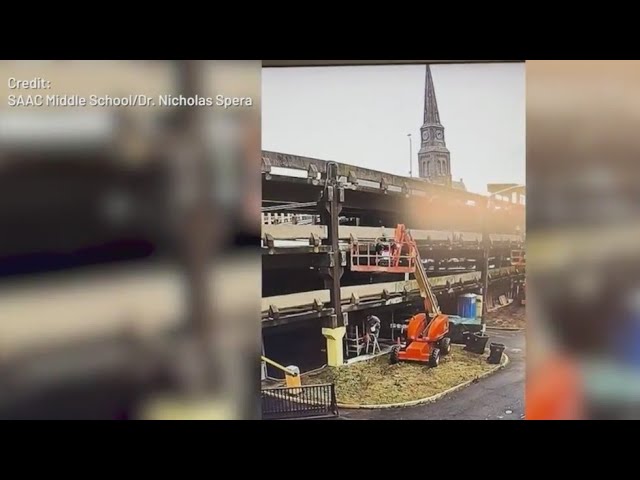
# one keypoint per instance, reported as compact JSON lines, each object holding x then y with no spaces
{"x":335,"y":345}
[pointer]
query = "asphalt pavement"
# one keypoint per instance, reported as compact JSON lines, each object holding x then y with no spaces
{"x":497,"y":397}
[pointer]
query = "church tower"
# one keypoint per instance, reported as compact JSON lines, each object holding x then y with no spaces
{"x":433,"y":158}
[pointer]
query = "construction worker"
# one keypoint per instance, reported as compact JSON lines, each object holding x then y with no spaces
{"x":555,"y":390}
{"x":373,"y":330}
{"x":373,"y":324}
{"x":393,"y":248}
{"x":565,"y":383}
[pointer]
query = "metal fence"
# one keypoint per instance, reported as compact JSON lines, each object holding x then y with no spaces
{"x":308,"y":401}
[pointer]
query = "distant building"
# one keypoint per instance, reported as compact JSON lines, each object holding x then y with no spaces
{"x":511,"y":192}
{"x":459,"y":185}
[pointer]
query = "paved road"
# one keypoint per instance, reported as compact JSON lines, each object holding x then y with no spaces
{"x":497,"y":397}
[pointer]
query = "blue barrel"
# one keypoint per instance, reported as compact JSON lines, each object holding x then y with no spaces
{"x":467,"y":305}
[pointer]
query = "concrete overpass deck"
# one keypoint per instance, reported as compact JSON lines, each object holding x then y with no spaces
{"x":414,"y":202}
{"x":284,"y":309}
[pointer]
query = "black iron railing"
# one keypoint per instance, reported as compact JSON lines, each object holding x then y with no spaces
{"x":308,"y":401}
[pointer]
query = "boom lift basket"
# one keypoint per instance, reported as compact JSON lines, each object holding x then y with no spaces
{"x":518,"y":258}
{"x":381,"y":255}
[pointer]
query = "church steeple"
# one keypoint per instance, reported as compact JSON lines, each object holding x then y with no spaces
{"x":434,"y":157}
{"x":431,"y":114}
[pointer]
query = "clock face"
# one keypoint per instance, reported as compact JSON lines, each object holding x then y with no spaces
{"x":425,"y":135}
{"x":439,"y":134}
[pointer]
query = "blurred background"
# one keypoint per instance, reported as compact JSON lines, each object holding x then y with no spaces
{"x":129,"y":272}
{"x":583,"y":223}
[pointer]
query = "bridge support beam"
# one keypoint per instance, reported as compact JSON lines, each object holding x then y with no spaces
{"x":486,"y":247}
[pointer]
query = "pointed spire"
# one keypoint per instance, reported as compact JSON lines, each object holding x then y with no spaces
{"x":431,"y":115}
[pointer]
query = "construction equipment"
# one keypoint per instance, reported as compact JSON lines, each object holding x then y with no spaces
{"x":427,"y":333}
{"x":396,"y":256}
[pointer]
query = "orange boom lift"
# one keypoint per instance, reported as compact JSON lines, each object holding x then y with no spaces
{"x":426,"y":333}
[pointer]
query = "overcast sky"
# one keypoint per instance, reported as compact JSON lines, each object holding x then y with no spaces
{"x":362,"y":115}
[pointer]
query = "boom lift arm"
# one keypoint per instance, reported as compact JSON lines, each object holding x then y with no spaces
{"x":403,"y":237}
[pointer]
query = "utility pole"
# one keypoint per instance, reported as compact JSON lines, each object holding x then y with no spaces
{"x":410,"y":157}
{"x":331,"y":206}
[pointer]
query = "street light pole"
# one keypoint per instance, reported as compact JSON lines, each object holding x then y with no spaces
{"x":410,"y":157}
